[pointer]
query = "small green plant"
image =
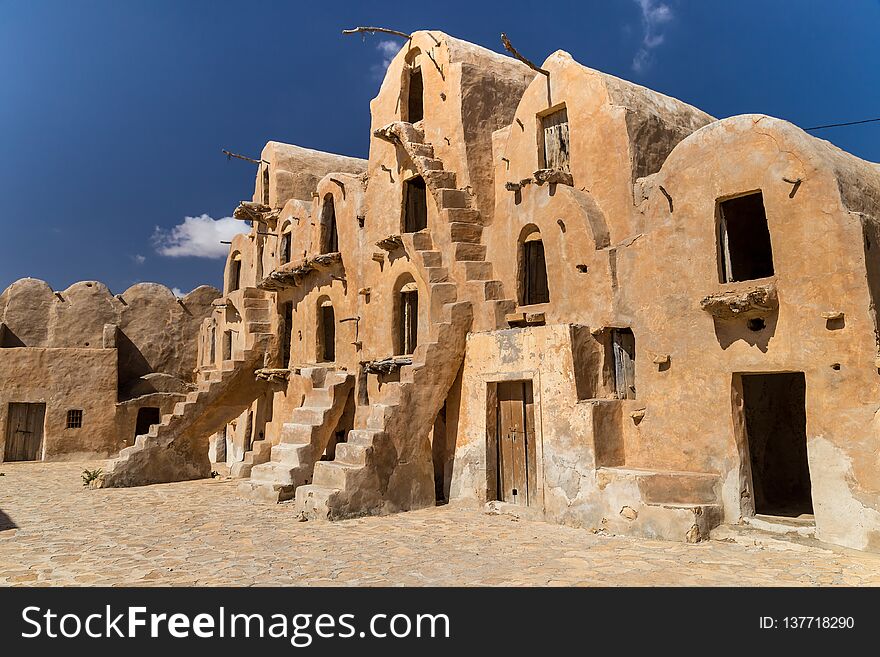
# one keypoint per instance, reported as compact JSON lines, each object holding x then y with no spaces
{"x":88,"y":476}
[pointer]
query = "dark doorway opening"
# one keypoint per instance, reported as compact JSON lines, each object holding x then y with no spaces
{"x":415,"y":105}
{"x":329,"y":234}
{"x":286,"y":334}
{"x":415,"y":205}
{"x":146,"y":417}
{"x":326,"y":333}
{"x":744,"y":246}
{"x":776,"y":429}
{"x":534,"y":285}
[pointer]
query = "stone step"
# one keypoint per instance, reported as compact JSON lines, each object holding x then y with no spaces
{"x":293,"y":454}
{"x":422,"y":241}
{"x":352,"y":454}
{"x":422,"y":150}
{"x":444,"y":293}
{"x":258,"y":327}
{"x":463,"y":232}
{"x":432,"y":258}
{"x":437,"y":274}
{"x":319,"y":397}
{"x":453,"y":198}
{"x":332,"y":474}
{"x":364,"y":437}
{"x":465,"y":251}
{"x":274,"y":473}
{"x":308,"y":415}
{"x":313,"y":501}
{"x":492,"y":290}
{"x":439,"y":179}
{"x":477,"y":270}
{"x":259,"y":314}
{"x":295,"y":433}
{"x":463,"y":215}
{"x":428,"y":163}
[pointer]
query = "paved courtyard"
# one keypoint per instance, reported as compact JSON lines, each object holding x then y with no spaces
{"x":202,"y":533}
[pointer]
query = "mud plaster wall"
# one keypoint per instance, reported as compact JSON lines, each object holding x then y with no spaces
{"x":156,"y":331}
{"x":64,"y":379}
{"x":819,"y":267}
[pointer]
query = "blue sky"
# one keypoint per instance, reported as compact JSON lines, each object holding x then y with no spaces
{"x":113,"y":114}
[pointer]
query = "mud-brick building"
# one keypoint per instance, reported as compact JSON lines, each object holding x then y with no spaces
{"x":83,"y":371}
{"x":556,"y":291}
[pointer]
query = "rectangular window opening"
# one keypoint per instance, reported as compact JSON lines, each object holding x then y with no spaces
{"x":415,"y":205}
{"x":744,"y":250}
{"x":555,"y":140}
{"x":623,"y":346}
{"x":74,"y":419}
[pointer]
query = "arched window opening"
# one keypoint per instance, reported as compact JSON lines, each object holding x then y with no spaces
{"x":533,"y":271}
{"x":234,"y":282}
{"x":326,"y":332}
{"x":407,"y":319}
{"x":329,"y":235}
{"x":415,"y":205}
{"x":284,"y":249}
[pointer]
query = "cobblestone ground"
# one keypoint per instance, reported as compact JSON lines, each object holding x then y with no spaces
{"x":202,"y":533}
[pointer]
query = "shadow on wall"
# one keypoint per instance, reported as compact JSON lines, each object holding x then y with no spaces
{"x":755,"y":331}
{"x":132,"y":362}
{"x":6,"y":522}
{"x":8,"y":339}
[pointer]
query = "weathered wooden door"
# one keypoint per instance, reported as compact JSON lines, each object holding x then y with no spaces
{"x":624,"y":345}
{"x":517,"y":467}
{"x":24,"y":432}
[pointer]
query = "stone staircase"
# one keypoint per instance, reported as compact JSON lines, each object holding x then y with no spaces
{"x":669,"y":505}
{"x":303,"y":440}
{"x":458,"y":213}
{"x":177,"y":448}
{"x":385,"y":465}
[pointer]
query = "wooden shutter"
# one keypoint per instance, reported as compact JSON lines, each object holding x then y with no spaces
{"x":624,"y":349}
{"x":556,"y":140}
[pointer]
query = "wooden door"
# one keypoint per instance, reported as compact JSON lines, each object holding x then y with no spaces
{"x":517,"y":463}
{"x":24,"y":432}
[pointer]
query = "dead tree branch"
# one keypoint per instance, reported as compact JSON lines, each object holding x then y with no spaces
{"x":513,"y":51}
{"x":373,"y":30}
{"x":229,"y":155}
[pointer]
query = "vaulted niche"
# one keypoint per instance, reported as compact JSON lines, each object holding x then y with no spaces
{"x":415,"y":205}
{"x":744,"y":250}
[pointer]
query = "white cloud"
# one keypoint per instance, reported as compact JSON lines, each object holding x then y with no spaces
{"x":139,"y":259}
{"x":388,"y":49}
{"x":655,"y":15}
{"x":199,"y":237}
{"x":176,"y":291}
